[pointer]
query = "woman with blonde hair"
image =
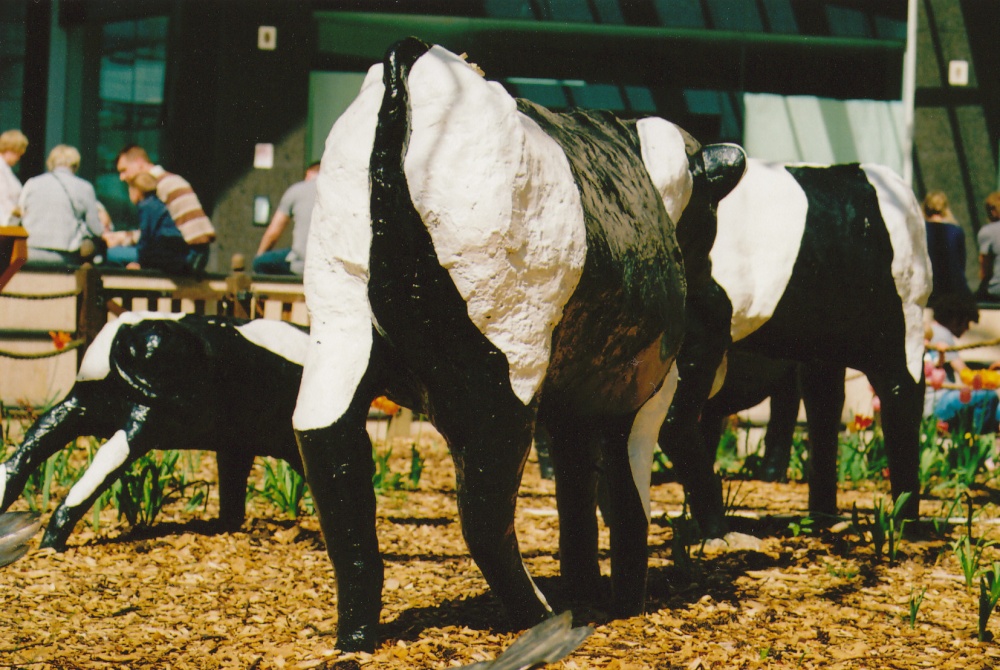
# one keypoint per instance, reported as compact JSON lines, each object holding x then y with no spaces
{"x":59,"y":210}
{"x":945,"y":245}
{"x":13,"y":144}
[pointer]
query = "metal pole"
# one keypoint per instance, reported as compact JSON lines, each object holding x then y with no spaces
{"x":909,"y":89}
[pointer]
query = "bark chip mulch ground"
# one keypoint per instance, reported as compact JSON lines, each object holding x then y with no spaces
{"x":178,"y":595}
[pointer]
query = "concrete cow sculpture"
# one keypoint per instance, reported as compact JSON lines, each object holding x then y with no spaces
{"x":487,"y":261}
{"x":170,"y":381}
{"x":827,"y":266}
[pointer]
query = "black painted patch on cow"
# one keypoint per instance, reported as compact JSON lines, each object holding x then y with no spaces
{"x":841,"y":303}
{"x":631,"y":294}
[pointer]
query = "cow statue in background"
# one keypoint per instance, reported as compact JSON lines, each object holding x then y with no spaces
{"x":487,"y":262}
{"x":153,"y":380}
{"x":827,"y":266}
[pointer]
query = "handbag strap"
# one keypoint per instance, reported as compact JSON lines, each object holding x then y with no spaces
{"x":81,"y":221}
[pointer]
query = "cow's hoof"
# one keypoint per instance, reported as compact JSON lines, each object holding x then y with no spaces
{"x":362,"y":638}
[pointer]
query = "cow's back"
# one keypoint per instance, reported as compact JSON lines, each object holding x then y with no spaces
{"x":622,"y":327}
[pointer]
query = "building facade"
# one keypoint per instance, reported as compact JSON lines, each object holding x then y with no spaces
{"x":208,"y":86}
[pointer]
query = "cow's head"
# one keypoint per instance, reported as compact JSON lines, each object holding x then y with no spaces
{"x":162,"y":361}
{"x":716,"y":170}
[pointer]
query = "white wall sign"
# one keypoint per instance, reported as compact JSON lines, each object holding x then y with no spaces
{"x":263,"y":156}
{"x":267,"y":38}
{"x":958,"y":72}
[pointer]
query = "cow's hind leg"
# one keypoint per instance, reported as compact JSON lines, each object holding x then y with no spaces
{"x":490,"y":449}
{"x":628,"y":522}
{"x":339,"y":468}
{"x":575,"y":459}
{"x":823,"y":395}
{"x":785,"y":398}
{"x":902,"y":407}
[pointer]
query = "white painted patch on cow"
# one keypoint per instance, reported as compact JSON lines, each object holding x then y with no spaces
{"x":337,"y":267}
{"x":109,"y":457}
{"x":96,"y":362}
{"x":499,"y":200}
{"x":911,"y":269}
{"x":645,"y":431}
{"x":761,"y":223}
{"x":278,"y":337}
{"x":666,"y":161}
{"x":3,"y":481}
{"x":538,"y":593}
{"x":720,"y":376}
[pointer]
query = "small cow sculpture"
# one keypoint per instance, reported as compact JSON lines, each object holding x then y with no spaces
{"x":487,"y":261}
{"x":170,"y":381}
{"x":827,"y":266}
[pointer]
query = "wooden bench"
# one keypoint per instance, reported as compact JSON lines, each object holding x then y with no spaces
{"x":45,"y":299}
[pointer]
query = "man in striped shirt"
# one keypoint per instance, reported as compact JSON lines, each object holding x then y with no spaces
{"x":180,"y":199}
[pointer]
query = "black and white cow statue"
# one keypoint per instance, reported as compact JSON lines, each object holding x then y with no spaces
{"x":488,"y":262}
{"x":154,"y":380}
{"x":827,"y":266}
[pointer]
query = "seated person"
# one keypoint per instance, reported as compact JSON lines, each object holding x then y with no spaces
{"x":59,"y":210}
{"x":296,"y":204}
{"x":160,"y":245}
{"x":953,"y":312}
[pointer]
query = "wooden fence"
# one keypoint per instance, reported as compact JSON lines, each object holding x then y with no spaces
{"x":49,"y":315}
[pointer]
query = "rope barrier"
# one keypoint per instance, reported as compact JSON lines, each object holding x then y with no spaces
{"x":971,"y":345}
{"x":35,"y":296}
{"x":70,"y":346}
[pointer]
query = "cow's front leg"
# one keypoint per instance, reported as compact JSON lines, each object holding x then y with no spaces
{"x":706,"y":338}
{"x":490,"y":449}
{"x":338,"y":465}
{"x":139,"y":435}
{"x":902,"y":407}
{"x":823,"y":396}
{"x":234,"y":465}
{"x":50,"y":433}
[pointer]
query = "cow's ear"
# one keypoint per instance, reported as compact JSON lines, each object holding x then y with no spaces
{"x":162,"y":360}
{"x":720,"y":167}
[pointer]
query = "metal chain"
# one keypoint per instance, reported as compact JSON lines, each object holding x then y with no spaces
{"x":70,"y":346}
{"x":35,"y":296}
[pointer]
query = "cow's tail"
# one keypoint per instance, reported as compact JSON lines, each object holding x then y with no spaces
{"x":400,"y":242}
{"x":389,"y":191}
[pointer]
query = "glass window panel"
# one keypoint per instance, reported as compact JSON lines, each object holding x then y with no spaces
{"x":890,"y":29}
{"x":506,"y":9}
{"x":846,"y":22}
{"x":680,"y":13}
{"x":12,"y":48}
{"x":598,"y":96}
{"x":702,"y":102}
{"x":640,"y":99}
{"x":546,"y":92}
{"x":130,"y":100}
{"x":609,"y":11}
{"x":780,"y":16}
{"x":566,"y":10}
{"x":738,"y":15}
